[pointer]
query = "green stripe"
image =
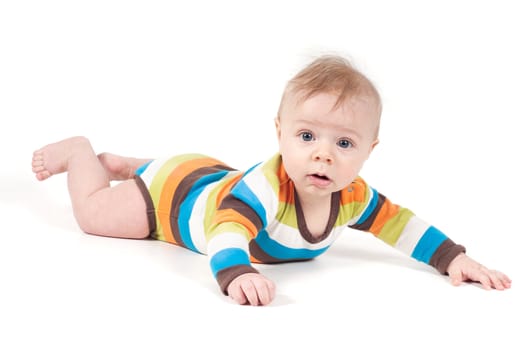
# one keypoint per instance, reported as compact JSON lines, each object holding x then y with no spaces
{"x":393,"y":228}
{"x":350,"y":210}
{"x":288,"y":217}
{"x":228,"y":227}
{"x":210,"y":204}
{"x":270,"y":171}
{"x":158,"y":182}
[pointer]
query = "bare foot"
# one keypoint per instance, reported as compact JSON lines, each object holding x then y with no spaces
{"x":118,"y":167}
{"x":53,"y":158}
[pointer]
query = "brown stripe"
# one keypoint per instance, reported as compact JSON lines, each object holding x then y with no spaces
{"x":259,"y":254}
{"x":181,"y":193}
{"x":444,"y":255}
{"x":301,"y":220}
{"x":224,"y":277}
{"x":231,"y":202}
{"x":365,"y":226}
{"x":150,"y":210}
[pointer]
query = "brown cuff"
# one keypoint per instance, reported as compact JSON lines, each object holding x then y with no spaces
{"x":150,"y":210}
{"x":225,"y":277}
{"x":444,"y":255}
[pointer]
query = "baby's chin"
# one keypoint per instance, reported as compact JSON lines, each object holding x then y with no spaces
{"x":315,"y":190}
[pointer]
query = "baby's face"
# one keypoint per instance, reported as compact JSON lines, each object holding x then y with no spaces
{"x":323,"y":148}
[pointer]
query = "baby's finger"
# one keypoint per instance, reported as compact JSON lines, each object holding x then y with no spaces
{"x":250,"y":293}
{"x":456,"y":277}
{"x":499,"y":280}
{"x":265,"y":294}
{"x":505,"y":279}
{"x":272,"y":289}
{"x":238,"y":295}
{"x":482,"y":276}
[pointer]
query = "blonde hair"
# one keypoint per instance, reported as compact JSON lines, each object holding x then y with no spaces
{"x":329,"y":74}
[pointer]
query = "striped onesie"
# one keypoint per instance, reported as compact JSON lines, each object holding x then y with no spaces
{"x":238,"y":218}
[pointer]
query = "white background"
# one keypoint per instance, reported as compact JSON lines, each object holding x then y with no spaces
{"x":156,"y":78}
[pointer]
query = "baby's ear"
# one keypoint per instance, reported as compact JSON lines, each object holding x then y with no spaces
{"x":277,"y":126}
{"x":374,"y":144}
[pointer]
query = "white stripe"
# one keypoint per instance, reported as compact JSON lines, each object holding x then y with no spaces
{"x":263,"y":190}
{"x":412,"y":233}
{"x":152,"y":169}
{"x":368,"y":202}
{"x":196,"y":227}
{"x":227,"y":240}
{"x":197,"y":217}
{"x":290,"y":237}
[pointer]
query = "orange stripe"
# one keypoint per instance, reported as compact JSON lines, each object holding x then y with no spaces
{"x":357,"y":194}
{"x":231,"y":215}
{"x":226,"y":188}
{"x":387,"y":211}
{"x":254,"y":260}
{"x":286,"y":187}
{"x":169,"y":188}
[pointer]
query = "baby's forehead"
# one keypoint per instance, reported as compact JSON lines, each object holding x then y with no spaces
{"x":334,"y":100}
{"x":361,"y":111}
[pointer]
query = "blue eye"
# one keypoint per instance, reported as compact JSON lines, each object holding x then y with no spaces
{"x":344,"y":143}
{"x":306,"y":136}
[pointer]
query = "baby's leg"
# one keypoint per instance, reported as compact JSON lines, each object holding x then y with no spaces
{"x":120,"y":168}
{"x":118,"y":211}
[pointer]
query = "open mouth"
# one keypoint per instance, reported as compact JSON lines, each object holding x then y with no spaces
{"x":320,"y":177}
{"x":319,"y":180}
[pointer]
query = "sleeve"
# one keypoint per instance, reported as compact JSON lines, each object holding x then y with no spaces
{"x":402,"y":229}
{"x":239,"y":218}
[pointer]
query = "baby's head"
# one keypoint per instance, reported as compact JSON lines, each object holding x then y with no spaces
{"x":332,"y":75}
{"x":327,"y":125}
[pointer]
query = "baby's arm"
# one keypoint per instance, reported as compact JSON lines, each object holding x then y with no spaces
{"x":252,"y":288}
{"x":463,"y":268}
{"x":400,"y":228}
{"x":239,"y":217}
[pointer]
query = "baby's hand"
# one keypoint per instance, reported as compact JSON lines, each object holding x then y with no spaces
{"x":463,"y":268}
{"x":251,"y":288}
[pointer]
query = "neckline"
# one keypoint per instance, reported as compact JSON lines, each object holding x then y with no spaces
{"x":301,"y":220}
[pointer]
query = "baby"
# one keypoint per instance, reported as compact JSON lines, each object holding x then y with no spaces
{"x":290,"y":207}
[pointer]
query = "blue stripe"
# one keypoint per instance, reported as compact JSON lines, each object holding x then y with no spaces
{"x":251,"y":168}
{"x":279,"y":251}
{"x":227,"y":258}
{"x":244,"y":193}
{"x":370,"y":208}
{"x":142,"y":168}
{"x":188,"y":204}
{"x":428,"y":244}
